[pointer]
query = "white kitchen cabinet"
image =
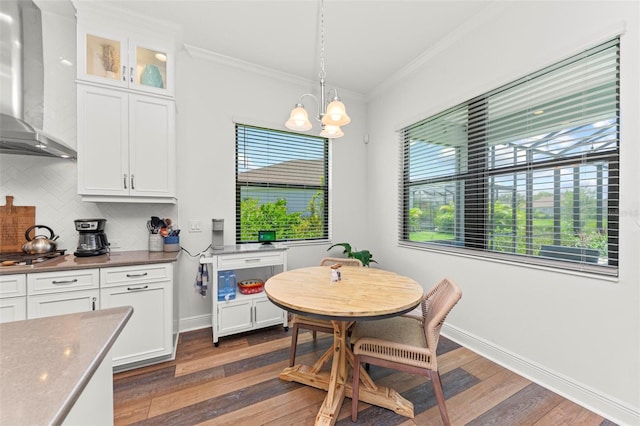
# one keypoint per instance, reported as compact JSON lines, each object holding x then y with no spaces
{"x":246,"y":311}
{"x":49,"y":305}
{"x":13,"y":297}
{"x":126,"y":107}
{"x":126,"y":146}
{"x":65,"y":292}
{"x":124,"y":59}
{"x":149,"y":290}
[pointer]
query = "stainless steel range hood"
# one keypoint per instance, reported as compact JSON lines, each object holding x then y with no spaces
{"x":22,"y":84}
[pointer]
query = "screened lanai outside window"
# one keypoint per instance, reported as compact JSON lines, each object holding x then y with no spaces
{"x":281,"y":184}
{"x":527,"y":172}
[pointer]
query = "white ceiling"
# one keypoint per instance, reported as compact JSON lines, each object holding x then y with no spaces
{"x":366,"y":42}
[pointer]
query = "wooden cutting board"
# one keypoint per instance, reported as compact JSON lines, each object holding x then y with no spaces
{"x":14,"y":221}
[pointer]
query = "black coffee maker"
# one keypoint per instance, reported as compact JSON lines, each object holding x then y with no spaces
{"x":92,"y":240}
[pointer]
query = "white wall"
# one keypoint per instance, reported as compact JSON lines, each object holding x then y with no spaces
{"x":212,"y":94}
{"x":578,"y":335}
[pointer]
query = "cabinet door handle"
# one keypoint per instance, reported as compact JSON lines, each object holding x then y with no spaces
{"x":75,"y":280}
{"x":93,"y":303}
{"x":124,"y":181}
{"x":137,"y":288}
{"x":132,"y":185}
{"x":124,"y":73}
{"x":131,"y":75}
{"x":144,"y":274}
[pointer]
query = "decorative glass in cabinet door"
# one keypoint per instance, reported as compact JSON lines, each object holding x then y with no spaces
{"x":103,"y":57}
{"x":151,"y":67}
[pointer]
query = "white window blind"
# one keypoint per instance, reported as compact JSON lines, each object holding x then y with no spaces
{"x":281,"y":184}
{"x":528,"y":171}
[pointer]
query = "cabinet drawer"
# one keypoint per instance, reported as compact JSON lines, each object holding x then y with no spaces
{"x":54,"y":282}
{"x":250,"y":260}
{"x":127,"y":275}
{"x":13,"y":285}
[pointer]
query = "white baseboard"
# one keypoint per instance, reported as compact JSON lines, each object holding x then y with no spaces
{"x":195,"y":323}
{"x":606,"y":406}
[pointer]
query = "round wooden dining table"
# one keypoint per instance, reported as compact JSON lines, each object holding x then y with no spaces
{"x":362,"y":294}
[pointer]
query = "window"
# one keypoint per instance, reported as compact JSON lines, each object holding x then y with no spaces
{"x":527,"y":172}
{"x":281,"y":185}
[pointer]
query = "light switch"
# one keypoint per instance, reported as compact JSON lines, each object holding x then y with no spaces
{"x":195,"y":226}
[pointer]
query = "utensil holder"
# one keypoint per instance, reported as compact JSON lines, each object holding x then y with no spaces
{"x":172,"y":243}
{"x":156,"y":242}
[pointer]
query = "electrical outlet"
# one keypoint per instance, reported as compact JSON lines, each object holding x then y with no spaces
{"x":114,"y":244}
{"x":195,"y":226}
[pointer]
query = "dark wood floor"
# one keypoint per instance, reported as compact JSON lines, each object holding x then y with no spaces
{"x":237,"y":383}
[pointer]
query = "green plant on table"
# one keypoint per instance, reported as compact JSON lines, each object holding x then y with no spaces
{"x":363,"y":256}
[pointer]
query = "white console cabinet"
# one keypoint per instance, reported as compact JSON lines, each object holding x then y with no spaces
{"x":246,"y":311}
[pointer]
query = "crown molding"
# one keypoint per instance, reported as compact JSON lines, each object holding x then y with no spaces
{"x":105,"y":12}
{"x":442,"y":45}
{"x":207,"y":55}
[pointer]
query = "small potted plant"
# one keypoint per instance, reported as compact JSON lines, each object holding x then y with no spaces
{"x":363,"y":256}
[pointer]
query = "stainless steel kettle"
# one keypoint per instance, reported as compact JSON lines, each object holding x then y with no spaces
{"x":40,"y":243}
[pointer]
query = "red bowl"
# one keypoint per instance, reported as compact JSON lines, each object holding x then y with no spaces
{"x":251,"y":286}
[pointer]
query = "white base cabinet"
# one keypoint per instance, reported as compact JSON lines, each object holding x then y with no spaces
{"x":59,"y":293}
{"x":72,"y":302}
{"x":13,"y":297}
{"x":149,"y":290}
{"x":246,"y":311}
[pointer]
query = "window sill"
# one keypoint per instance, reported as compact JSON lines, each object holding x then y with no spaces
{"x":524,"y":262}
{"x":302,"y":243}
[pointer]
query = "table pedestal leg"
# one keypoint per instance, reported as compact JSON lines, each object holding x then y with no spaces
{"x":338,"y":385}
{"x":335,"y":394}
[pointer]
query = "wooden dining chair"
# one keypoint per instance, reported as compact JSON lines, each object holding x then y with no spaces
{"x":313,"y":324}
{"x":405,"y":343}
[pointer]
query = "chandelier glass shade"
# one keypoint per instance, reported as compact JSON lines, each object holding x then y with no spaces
{"x":332,"y":132}
{"x":332,"y":115}
{"x":336,"y":114}
{"x":299,"y":119}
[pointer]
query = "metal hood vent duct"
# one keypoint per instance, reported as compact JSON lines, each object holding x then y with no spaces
{"x":22,"y":84}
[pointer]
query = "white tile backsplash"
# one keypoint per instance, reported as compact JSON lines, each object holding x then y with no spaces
{"x":50,"y":185}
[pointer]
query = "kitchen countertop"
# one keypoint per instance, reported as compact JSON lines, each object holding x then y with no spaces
{"x":116,"y":258}
{"x":47,"y":362}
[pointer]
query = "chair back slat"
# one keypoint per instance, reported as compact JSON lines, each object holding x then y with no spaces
{"x":344,"y":261}
{"x":436,"y":305}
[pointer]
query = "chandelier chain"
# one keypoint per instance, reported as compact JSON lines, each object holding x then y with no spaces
{"x":331,"y":114}
{"x":322,"y":73}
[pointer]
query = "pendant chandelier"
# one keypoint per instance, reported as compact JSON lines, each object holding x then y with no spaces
{"x":331,"y":115}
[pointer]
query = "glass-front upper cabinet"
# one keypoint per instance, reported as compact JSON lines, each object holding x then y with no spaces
{"x":125,"y":61}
